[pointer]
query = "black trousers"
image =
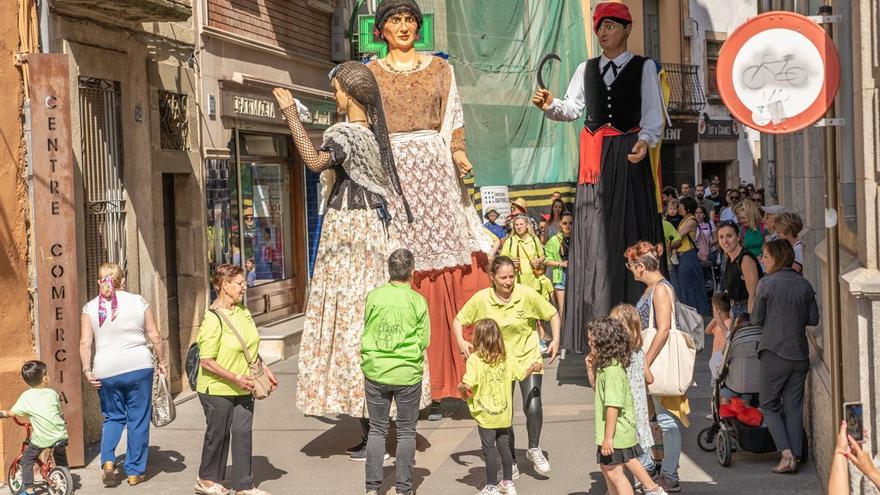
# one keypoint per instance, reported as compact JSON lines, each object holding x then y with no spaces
{"x":530,"y":388}
{"x":29,"y":458}
{"x":782,"y":400}
{"x":500,"y":438}
{"x":228,"y":418}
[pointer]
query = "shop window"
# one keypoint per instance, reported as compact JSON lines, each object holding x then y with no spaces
{"x":173,"y":124}
{"x":713,"y":49}
{"x":267,"y":237}
{"x":224,"y":229}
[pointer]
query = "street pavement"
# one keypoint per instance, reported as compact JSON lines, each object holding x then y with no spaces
{"x":294,"y":454}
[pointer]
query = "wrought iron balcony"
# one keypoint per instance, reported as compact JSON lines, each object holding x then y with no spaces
{"x":131,"y":10}
{"x":686,"y":95}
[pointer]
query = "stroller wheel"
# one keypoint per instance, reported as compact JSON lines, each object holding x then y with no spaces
{"x":722,"y":447}
{"x":706,"y":438}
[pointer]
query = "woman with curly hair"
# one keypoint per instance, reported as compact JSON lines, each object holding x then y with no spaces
{"x":643,"y":261}
{"x":616,"y":421}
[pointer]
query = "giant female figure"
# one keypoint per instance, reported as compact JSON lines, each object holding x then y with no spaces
{"x":426,"y":127}
{"x":358,"y":234}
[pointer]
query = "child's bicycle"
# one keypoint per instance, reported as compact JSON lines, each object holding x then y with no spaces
{"x":58,"y":479}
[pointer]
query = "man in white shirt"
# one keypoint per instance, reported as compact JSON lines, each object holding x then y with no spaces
{"x":619,"y":95}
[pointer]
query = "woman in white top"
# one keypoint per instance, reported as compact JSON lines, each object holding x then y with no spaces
{"x":788,"y":226}
{"x":120,"y":323}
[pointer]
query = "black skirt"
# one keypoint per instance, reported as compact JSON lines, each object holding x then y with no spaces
{"x":618,"y":456}
{"x":615,"y":213}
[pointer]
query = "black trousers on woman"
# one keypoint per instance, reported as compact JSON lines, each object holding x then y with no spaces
{"x":782,"y":400}
{"x":609,"y":216}
{"x":530,"y":388}
{"x":228,"y":418}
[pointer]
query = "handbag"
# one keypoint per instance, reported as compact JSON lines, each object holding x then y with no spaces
{"x":164,"y":410}
{"x":673,"y":368}
{"x":262,"y":385}
{"x":691,"y":322}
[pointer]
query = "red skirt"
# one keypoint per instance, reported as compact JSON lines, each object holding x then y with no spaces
{"x":447,"y":291}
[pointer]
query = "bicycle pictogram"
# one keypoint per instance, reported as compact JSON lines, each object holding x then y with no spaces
{"x":757,"y":76}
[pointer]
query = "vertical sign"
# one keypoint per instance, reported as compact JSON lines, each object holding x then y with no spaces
{"x":495,"y":198}
{"x":55,"y":237}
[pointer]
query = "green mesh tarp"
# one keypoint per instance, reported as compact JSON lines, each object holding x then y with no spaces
{"x":495,"y":47}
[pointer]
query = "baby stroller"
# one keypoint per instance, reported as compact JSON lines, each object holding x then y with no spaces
{"x":740,"y":373}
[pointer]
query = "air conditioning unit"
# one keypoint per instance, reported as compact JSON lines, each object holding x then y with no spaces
{"x":340,"y":48}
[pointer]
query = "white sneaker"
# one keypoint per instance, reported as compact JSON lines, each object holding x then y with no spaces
{"x":658,"y":491}
{"x":542,"y":465}
{"x":507,"y":488}
{"x":515,"y":472}
{"x":488,"y":490}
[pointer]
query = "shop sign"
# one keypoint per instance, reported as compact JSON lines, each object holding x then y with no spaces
{"x":250,"y":106}
{"x":718,"y":129}
{"x":55,"y":237}
{"x":263,"y":108}
{"x":680,"y":132}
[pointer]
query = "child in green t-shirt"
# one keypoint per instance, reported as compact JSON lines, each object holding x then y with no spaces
{"x":487,"y":387}
{"x":616,"y":423}
{"x":41,"y":405}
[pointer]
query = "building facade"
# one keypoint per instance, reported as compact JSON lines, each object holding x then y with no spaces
{"x":128,"y":139}
{"x":794,"y":165}
{"x":261,"y":203}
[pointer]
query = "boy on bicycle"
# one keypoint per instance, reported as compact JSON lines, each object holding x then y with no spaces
{"x":42,"y":406}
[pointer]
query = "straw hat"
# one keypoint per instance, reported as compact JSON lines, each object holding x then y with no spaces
{"x":521,"y":203}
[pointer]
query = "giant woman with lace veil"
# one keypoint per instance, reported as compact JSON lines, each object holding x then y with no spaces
{"x":356,"y":237}
{"x":426,"y":127}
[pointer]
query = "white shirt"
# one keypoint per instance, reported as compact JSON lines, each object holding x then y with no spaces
{"x":121,"y":343}
{"x":727,"y":215}
{"x":653,"y":111}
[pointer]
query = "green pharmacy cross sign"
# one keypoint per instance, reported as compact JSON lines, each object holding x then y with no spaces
{"x":370,"y":43}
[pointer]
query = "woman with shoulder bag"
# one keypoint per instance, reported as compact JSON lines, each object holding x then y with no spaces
{"x":643,"y":261}
{"x":228,"y":343}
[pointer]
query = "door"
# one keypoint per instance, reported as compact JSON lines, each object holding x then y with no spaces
{"x":173,"y":317}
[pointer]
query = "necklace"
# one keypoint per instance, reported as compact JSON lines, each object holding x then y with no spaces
{"x":403,"y":71}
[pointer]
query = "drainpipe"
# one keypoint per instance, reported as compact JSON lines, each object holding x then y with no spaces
{"x":832,"y":245}
{"x":32,"y":271}
{"x":44,"y":25}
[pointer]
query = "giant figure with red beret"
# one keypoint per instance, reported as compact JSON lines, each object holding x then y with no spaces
{"x":618,"y":93}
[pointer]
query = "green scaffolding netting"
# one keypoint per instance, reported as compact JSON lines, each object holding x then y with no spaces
{"x":495,"y":47}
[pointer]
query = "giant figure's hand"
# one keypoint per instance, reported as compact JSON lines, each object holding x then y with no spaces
{"x":542,"y":99}
{"x":638,"y":152}
{"x":284,"y":97}
{"x":461,"y":161}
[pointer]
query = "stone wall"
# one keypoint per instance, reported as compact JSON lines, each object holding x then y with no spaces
{"x":15,"y":312}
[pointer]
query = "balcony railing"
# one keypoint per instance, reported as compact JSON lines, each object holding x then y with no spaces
{"x":686,"y":94}
{"x":132,"y":10}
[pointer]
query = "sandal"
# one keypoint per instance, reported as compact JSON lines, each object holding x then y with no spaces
{"x":214,"y":489}
{"x":791,"y":467}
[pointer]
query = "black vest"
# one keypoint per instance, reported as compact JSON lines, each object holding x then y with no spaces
{"x":618,"y":105}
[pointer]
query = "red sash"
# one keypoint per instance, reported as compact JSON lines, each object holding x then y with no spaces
{"x":591,"y":152}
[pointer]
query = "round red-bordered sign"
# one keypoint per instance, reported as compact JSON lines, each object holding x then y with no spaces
{"x":778,"y":72}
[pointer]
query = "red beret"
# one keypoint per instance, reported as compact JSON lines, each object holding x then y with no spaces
{"x":615,"y":11}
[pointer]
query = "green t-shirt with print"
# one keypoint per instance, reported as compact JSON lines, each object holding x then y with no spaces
{"x":612,"y":390}
{"x":42,"y":407}
{"x":491,"y":402}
